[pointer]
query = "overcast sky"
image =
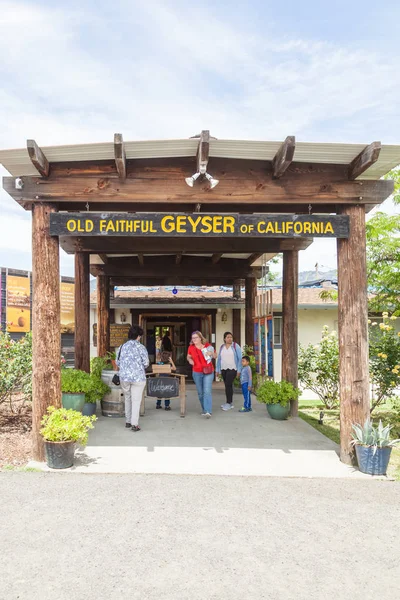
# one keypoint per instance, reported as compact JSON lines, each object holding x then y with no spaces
{"x":76,"y":72}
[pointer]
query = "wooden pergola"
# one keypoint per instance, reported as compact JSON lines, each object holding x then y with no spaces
{"x":77,"y":194}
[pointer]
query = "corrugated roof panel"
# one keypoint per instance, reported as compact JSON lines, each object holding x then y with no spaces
{"x":161,"y":148}
{"x":17,"y":161}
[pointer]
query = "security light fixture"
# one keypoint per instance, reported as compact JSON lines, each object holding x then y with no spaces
{"x":213,"y":182}
{"x":19,"y":184}
{"x":190,"y":180}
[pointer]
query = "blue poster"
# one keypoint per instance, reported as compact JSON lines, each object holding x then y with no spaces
{"x":270,"y":344}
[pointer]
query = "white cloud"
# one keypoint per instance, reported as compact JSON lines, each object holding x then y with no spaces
{"x":159,"y":70}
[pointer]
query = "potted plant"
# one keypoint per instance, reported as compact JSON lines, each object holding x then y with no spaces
{"x":61,"y":430}
{"x":74,"y":385}
{"x":98,"y":389}
{"x":373,"y":447}
{"x":277,"y":396}
{"x":112,"y":356}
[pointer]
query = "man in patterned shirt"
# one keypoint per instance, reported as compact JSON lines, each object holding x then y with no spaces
{"x":132,"y":360}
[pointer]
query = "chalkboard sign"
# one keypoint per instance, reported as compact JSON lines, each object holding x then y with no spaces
{"x":163,"y":387}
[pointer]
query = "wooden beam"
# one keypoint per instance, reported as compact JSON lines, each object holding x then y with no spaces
{"x":161,"y":266}
{"x":203,"y":151}
{"x":253,"y":257}
{"x":290,"y":322}
{"x":251,"y":293}
{"x":133,"y":245}
{"x":364,"y":160}
{"x":170,"y":280}
{"x":353,"y":330}
{"x":38,"y":159}
{"x":178,"y":258}
{"x":259,"y":191}
{"x":284,"y":157}
{"x":216,"y":258}
{"x":103,"y":315}
{"x":104,"y":258}
{"x":141,"y":259}
{"x":46,"y":334}
{"x":82,"y":312}
{"x":119,"y":155}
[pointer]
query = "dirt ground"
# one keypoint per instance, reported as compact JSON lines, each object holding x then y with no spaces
{"x":15,"y":435}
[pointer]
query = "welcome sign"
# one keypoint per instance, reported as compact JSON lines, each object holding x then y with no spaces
{"x":198,"y":225}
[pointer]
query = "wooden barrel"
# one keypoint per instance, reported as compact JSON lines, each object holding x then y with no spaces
{"x":113,"y":404}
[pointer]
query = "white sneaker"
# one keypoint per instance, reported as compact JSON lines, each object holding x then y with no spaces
{"x":207,"y":415}
{"x":228,"y":407}
{"x":224,"y":406}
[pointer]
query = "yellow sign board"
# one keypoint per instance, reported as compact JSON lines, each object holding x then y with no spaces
{"x":67,"y":294}
{"x":18,"y":304}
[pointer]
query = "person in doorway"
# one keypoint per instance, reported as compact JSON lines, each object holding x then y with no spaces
{"x":158,"y":349}
{"x":200,"y":354}
{"x":166,"y":345}
{"x":165,"y":359}
{"x":133,"y":359}
{"x":229,"y":365}
{"x":246,"y":380}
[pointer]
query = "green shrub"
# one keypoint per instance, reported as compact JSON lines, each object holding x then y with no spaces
{"x":319,"y":368}
{"x":97,"y":391}
{"x":15,"y":367}
{"x":62,"y":425}
{"x":277,"y":392}
{"x":98,"y":365}
{"x":74,"y":381}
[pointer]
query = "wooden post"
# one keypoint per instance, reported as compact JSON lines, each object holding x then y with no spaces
{"x":251,"y":292}
{"x":46,"y":329}
{"x":353,"y":330}
{"x":103,"y":315}
{"x":289,"y":322}
{"x":236,"y":325}
{"x":237,"y":289}
{"x":82,"y":312}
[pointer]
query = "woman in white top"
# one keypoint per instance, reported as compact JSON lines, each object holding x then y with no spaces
{"x":229,"y":364}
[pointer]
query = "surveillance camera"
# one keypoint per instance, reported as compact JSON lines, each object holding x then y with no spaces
{"x":19,"y":184}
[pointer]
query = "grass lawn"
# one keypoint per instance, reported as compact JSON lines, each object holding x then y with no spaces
{"x":309,"y":411}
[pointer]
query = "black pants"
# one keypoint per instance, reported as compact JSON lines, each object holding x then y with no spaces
{"x":228,"y":375}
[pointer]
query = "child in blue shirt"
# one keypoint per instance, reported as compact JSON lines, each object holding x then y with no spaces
{"x":246,"y":380}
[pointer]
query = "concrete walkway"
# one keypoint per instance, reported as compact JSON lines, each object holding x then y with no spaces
{"x":66,"y":536}
{"x":230,"y":443}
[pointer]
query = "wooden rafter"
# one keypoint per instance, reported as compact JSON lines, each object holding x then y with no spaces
{"x":216,"y":258}
{"x":253,"y":257}
{"x":38,"y":158}
{"x":203,"y":151}
{"x":178,"y":258}
{"x":364,"y":160}
{"x":119,"y":154}
{"x":104,"y":258}
{"x":283,"y":157}
{"x":141,"y":259}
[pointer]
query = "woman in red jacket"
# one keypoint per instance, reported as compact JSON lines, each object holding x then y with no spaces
{"x":200,"y":355}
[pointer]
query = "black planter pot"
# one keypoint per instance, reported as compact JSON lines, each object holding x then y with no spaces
{"x":89,"y":409}
{"x":59,"y":455}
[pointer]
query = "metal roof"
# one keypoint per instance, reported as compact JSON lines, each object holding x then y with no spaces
{"x":17,"y":162}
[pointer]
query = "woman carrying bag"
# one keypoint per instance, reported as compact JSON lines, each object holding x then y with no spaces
{"x":200,"y":354}
{"x":229,"y":364}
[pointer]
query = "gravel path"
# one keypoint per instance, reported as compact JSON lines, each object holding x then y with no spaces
{"x":72,"y":536}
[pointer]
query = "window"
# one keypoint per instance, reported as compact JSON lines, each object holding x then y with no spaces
{"x":277,"y":331}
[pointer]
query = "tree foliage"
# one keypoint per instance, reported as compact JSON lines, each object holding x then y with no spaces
{"x":319,"y":368}
{"x":384,"y":360}
{"x":15,"y":368}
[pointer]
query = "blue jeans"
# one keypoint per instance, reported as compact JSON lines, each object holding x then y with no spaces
{"x":203,"y":386}
{"x":246,"y":395}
